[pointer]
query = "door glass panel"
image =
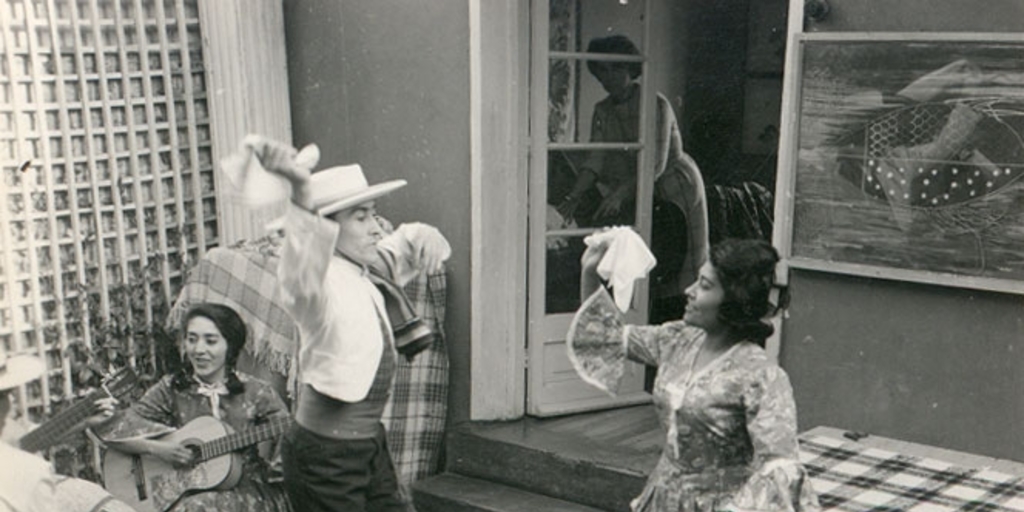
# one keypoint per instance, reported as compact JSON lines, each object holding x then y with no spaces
{"x":562,"y":293}
{"x":588,"y":98}
{"x":594,"y":100}
{"x":591,"y":188}
{"x":574,"y":23}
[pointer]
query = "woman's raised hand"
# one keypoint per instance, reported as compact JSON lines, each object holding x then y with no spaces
{"x":592,"y":255}
{"x":589,"y":280}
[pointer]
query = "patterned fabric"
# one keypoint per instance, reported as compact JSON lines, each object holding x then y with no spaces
{"x":745,"y":211}
{"x":852,"y":477}
{"x":415,"y":416}
{"x":244,"y":277}
{"x":164,"y":406}
{"x":730,"y":425}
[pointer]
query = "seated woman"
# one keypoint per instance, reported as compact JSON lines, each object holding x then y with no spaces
{"x":727,"y":409}
{"x":207,"y":385}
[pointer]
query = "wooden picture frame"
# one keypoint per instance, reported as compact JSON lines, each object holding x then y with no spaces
{"x":902,"y":157}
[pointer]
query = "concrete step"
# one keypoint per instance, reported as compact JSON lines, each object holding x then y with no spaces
{"x":563,"y":466}
{"x":456,"y":493}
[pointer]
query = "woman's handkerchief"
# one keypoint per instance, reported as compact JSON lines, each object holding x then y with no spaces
{"x":626,"y":260}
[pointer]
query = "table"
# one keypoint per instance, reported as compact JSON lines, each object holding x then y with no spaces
{"x":886,"y":475}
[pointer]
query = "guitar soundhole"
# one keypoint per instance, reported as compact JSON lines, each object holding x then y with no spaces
{"x":197,"y":453}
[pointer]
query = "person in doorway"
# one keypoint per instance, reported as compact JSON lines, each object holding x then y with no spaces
{"x":602,"y":187}
{"x":208,"y":385}
{"x":27,"y":481}
{"x":616,"y":118}
{"x":728,"y":411}
{"x":340,"y":277}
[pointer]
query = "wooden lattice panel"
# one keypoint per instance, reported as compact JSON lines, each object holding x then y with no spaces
{"x":107,"y":169}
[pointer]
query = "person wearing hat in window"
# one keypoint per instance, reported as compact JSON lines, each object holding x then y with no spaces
{"x":340,"y":280}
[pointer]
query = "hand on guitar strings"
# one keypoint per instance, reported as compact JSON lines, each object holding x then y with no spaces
{"x":171,"y":452}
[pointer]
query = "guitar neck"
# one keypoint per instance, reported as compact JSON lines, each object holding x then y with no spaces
{"x":59,"y":425}
{"x":234,"y":442}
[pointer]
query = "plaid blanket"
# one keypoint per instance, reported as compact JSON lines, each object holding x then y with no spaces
{"x":851,"y":477}
{"x":244,"y":277}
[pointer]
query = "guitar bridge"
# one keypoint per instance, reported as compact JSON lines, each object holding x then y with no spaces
{"x":139,"y":471}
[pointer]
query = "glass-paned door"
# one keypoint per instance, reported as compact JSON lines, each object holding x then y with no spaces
{"x":590,"y":110}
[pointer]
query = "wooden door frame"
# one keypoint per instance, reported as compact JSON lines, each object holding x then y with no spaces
{"x":499,"y":44}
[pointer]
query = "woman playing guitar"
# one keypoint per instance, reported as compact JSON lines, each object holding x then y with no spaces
{"x":207,"y":385}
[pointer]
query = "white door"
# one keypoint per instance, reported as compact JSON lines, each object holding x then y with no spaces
{"x":566,"y":152}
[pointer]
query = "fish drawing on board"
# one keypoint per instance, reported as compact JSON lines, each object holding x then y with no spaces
{"x":947,"y":167}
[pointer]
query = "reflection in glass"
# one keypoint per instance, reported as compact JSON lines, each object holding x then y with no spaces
{"x":562,"y":290}
{"x":591,"y":188}
{"x":594,"y":100}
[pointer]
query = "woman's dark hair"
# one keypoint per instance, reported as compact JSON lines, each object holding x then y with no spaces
{"x":746,"y":271}
{"x":234,"y":331}
{"x":617,"y":44}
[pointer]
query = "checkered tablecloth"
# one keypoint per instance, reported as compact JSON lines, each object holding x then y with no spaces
{"x":850,"y":477}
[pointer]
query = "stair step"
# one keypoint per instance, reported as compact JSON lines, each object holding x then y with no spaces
{"x":562,"y":466}
{"x":449,"y":492}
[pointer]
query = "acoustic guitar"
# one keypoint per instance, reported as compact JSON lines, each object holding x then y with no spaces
{"x":51,"y":431}
{"x":149,"y":484}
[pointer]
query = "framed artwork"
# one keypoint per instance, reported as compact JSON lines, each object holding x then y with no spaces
{"x":903,"y":158}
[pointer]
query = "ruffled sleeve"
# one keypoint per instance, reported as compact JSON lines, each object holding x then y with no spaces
{"x":599,"y":343}
{"x":595,"y":342}
{"x":779,"y":483}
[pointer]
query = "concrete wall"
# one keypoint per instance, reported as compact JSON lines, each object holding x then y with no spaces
{"x":930,"y":364}
{"x":386,"y":84}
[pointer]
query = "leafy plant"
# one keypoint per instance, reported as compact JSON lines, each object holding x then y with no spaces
{"x":122,"y":336}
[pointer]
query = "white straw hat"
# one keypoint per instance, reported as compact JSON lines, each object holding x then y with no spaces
{"x":17,"y":370}
{"x":344,"y":186}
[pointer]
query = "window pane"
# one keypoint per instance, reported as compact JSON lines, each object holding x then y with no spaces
{"x":594,"y":101}
{"x":562,"y":292}
{"x":574,"y":23}
{"x":591,"y":188}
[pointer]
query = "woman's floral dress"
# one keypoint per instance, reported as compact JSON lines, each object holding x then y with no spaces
{"x":163,"y":409}
{"x":731,"y":434}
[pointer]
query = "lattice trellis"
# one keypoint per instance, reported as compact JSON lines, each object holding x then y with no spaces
{"x":107,"y":167}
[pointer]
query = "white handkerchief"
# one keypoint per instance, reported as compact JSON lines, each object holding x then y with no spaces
{"x":250,"y":182}
{"x":626,"y":260}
